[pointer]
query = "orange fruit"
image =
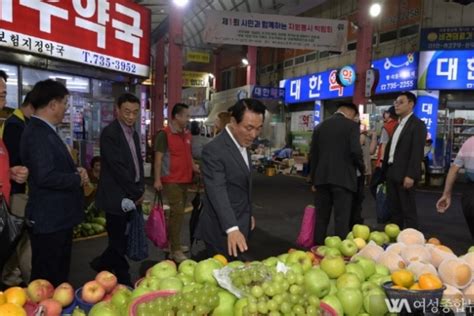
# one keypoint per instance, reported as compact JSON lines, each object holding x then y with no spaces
{"x":398,"y":287}
{"x":10,"y":309}
{"x":415,"y":287}
{"x":429,"y":281}
{"x":16,"y":295}
{"x":3,"y":299}
{"x":403,"y":278}
{"x":222,"y":259}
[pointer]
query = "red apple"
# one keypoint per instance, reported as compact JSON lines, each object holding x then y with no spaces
{"x":51,"y":307}
{"x":39,"y":290}
{"x":64,"y":294}
{"x":107,"y":297}
{"x":107,"y":280}
{"x":92,"y":292}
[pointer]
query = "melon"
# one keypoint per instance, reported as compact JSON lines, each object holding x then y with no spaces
{"x":418,"y":268}
{"x":415,"y":252}
{"x":439,"y":254}
{"x":410,"y":236}
{"x":391,"y":260}
{"x":455,"y":272}
{"x":469,"y":258}
{"x":371,"y":251}
{"x":396,"y":247}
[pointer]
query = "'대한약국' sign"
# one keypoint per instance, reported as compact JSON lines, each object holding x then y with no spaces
{"x":266,"y":30}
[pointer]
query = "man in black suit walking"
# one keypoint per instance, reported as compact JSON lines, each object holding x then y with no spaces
{"x":402,"y":162}
{"x":226,"y":219}
{"x":335,"y":156}
{"x":121,"y":177}
{"x":55,"y":203}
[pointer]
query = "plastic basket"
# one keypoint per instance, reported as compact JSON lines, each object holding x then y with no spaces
{"x":314,"y":250}
{"x":327,"y":310}
{"x":86,"y":307}
{"x":32,"y":309}
{"x":418,"y":300}
{"x":132,"y":311}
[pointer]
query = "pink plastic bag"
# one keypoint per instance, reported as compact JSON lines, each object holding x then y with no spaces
{"x":306,"y":236}
{"x":155,"y":227}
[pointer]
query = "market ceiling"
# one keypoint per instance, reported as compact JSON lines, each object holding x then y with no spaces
{"x":195,"y":14}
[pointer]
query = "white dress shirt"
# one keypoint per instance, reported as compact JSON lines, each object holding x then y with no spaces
{"x":243,"y":152}
{"x":396,"y":136}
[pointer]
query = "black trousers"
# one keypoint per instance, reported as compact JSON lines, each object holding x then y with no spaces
{"x":328,"y":196}
{"x":467,"y":203}
{"x":401,"y":202}
{"x":113,"y":258}
{"x":51,"y":256}
{"x":356,"y":213}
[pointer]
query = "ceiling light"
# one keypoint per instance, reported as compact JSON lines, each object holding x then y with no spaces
{"x":245,"y":61}
{"x":375,"y":10}
{"x":180,"y":3}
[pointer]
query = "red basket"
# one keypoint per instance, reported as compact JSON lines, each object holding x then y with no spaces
{"x":132,"y":311}
{"x":320,"y":257}
{"x":327,"y":310}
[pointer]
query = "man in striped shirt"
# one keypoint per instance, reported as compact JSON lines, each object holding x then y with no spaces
{"x":464,"y":159}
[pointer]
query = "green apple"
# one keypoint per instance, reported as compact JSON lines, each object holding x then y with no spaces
{"x":296,"y":267}
{"x":226,"y":304}
{"x":164,"y":269}
{"x":348,"y":280}
{"x":322,"y":250}
{"x":333,"y":242}
{"x":186,"y":279}
{"x":348,"y":248}
{"x":333,"y":289}
{"x":374,"y":302}
{"x":270,"y":262}
{"x":187,"y":267}
{"x":316,"y":282}
{"x":376,"y":278}
{"x":368,"y":265}
{"x":392,"y":230}
{"x":104,"y":309}
{"x":334,"y":302}
{"x":471,"y":249}
{"x":139,"y":291}
{"x":300,"y":257}
{"x":151,"y":283}
{"x":192,"y":286}
{"x":235,"y":264}
{"x":121,"y":298}
{"x":360,"y":242}
{"x":203,"y":273}
{"x":361,"y":231}
{"x":386,"y":238}
{"x":283,"y":257}
{"x":357,"y":270}
{"x":333,"y":252}
{"x":172,"y":283}
{"x":333,"y":266}
{"x":350,"y":236}
{"x":377,"y":237}
{"x":367,"y":286}
{"x":239,"y":306}
{"x":351,"y":300}
{"x":381,"y":269}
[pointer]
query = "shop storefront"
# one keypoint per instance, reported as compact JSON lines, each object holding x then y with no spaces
{"x":104,"y":53}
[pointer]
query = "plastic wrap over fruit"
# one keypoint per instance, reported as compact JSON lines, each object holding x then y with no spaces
{"x":415,"y":253}
{"x":469,"y":258}
{"x":371,"y":251}
{"x":418,"y":268}
{"x":453,"y":298}
{"x":439,"y":254}
{"x":455,"y":272}
{"x":391,"y":260}
{"x":410,"y":236}
{"x":239,"y":280}
{"x":396,"y":247}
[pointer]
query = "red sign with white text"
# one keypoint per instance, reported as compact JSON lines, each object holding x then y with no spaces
{"x":112,"y":34}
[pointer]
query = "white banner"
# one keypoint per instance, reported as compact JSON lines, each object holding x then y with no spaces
{"x":266,"y":30}
{"x":302,"y":121}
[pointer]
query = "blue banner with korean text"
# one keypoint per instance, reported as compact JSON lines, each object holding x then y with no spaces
{"x":426,"y":109}
{"x":398,"y":73}
{"x":259,"y":92}
{"x":447,"y":38}
{"x":445,"y":70}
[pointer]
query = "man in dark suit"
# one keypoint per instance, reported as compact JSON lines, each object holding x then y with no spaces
{"x":336,"y":155}
{"x":121,"y":177}
{"x":226,"y":219}
{"x":55,"y":203}
{"x":402,"y":162}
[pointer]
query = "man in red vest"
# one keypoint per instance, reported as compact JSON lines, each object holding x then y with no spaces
{"x":174,"y":169}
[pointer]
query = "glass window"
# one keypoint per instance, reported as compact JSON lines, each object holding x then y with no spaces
{"x":12,"y":84}
{"x":73,"y":83}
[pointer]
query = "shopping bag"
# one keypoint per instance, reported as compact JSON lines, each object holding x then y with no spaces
{"x":11,"y":229}
{"x":306,"y":236}
{"x":381,"y":204}
{"x":137,"y":246}
{"x":155,"y":227}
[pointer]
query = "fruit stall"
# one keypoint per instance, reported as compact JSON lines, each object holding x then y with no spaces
{"x":386,"y":272}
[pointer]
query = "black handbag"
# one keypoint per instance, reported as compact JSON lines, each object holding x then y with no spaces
{"x":11,"y":229}
{"x":195,"y":214}
{"x":137,"y":244}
